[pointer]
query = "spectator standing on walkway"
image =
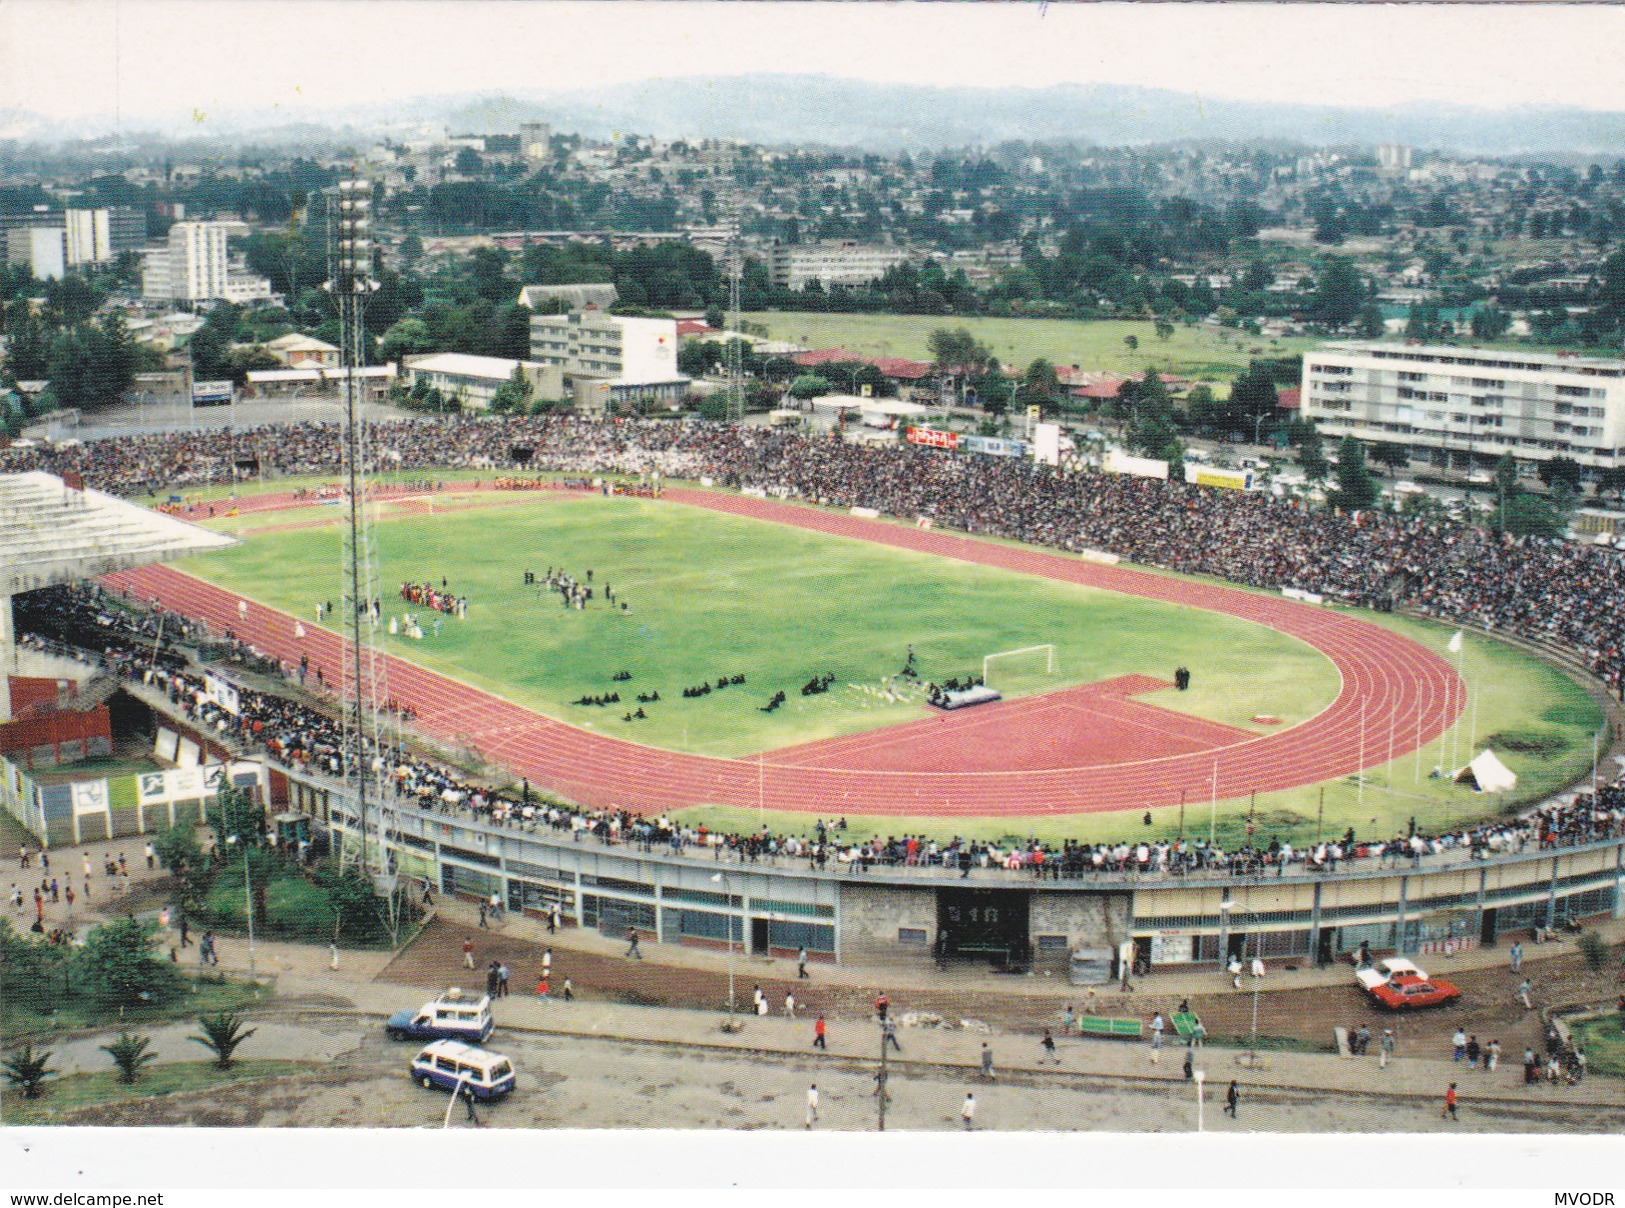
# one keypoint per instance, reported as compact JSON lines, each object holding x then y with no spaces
{"x":569,"y":991}
{"x":1049,"y":1049}
{"x":1515,"y":956}
{"x":819,"y":1028}
{"x":502,"y":981}
{"x":1449,"y":1103}
{"x":468,"y":949}
{"x":882,"y":1005}
{"x":1523,"y":995}
{"x":1458,"y":1045}
{"x":632,"y":944}
{"x":547,"y":963}
{"x":150,"y":855}
{"x":967,"y":1111}
{"x":812,"y":1105}
{"x":789,"y":1005}
{"x":801,"y":964}
{"x":1232,"y":1098}
{"x":889,"y":1032}
{"x":1156,"y":1036}
{"x":987,"y":1062}
{"x":1067,"y":1019}
{"x":1386,"y":1048}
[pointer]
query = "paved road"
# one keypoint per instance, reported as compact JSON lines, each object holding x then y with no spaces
{"x":581,"y":1082}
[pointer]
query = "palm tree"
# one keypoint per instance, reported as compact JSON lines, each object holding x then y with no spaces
{"x":222,"y":1034}
{"x":28,"y":1071}
{"x":129,"y":1053}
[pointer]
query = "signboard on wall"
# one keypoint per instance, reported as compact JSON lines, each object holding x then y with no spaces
{"x":1172,"y":948}
{"x":1119,"y":462}
{"x":934,"y":438}
{"x":1047,"y":444}
{"x":221,"y":693}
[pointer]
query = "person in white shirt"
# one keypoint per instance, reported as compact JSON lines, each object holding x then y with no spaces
{"x":812,"y":1105}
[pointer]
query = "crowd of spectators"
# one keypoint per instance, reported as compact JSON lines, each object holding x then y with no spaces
{"x":1569,"y":594}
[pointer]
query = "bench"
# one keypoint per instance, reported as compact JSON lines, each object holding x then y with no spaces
{"x":1096,"y":1025}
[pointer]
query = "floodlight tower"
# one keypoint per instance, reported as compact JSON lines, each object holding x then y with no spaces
{"x":362,"y":685}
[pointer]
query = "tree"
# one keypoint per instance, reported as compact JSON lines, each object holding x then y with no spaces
{"x":1312,"y":459}
{"x":514,"y":394}
{"x":1132,"y":342}
{"x":1490,"y":323}
{"x":1528,"y":515}
{"x":1611,"y":480}
{"x":130,"y":1053}
{"x":468,"y":162}
{"x":1561,"y":469}
{"x":408,"y":336}
{"x":119,"y":968}
{"x":177,"y":848}
{"x":1340,"y":294}
{"x":1391,"y":454}
{"x":1355,"y":489}
{"x":27,"y":1071}
{"x":808,"y":385}
{"x":222,"y":1033}
{"x":33,"y":972}
{"x":1040,"y":383}
{"x":237,"y":815}
{"x":957,"y":351}
{"x":1164,"y":329}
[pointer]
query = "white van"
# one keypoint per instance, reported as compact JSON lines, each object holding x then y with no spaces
{"x":446,"y":1063}
{"x":449,"y":1017}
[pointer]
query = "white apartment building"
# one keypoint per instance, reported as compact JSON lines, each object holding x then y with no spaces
{"x":1460,"y":404}
{"x":39,"y":248}
{"x":98,"y":236}
{"x":844,"y":263}
{"x":194,"y":266}
{"x":623,"y":359}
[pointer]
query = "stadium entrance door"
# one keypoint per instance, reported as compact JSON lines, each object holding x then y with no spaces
{"x":985,"y":924}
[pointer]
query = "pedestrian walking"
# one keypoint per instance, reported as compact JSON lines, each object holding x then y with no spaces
{"x":812,"y":1105}
{"x":801,"y":964}
{"x":1157,"y":1027}
{"x":547,"y":962}
{"x":1492,"y":1055}
{"x":1458,"y":1045}
{"x":543,"y":989}
{"x":1473,"y":1051}
{"x":569,"y":991}
{"x":987,"y":1062}
{"x":1048,"y":1044}
{"x":819,"y":1028}
{"x":1515,"y":956}
{"x":502,"y":981}
{"x":1449,"y":1103}
{"x":889,"y":1033}
{"x":1067,"y":1020}
{"x":1385,"y":1049}
{"x":1232,"y":1098}
{"x":483,"y":923}
{"x":632,"y":944}
{"x":882,"y":1004}
{"x":789,"y":1006}
{"x":555,"y":920}
{"x":468,"y":954}
{"x":68,"y":893}
{"x":150,"y":855}
{"x":967,"y":1111}
{"x":1523,"y":994}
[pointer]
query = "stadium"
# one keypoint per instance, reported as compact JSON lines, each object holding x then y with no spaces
{"x":1224,"y":724}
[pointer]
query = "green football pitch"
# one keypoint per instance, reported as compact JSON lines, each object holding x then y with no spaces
{"x":714,"y":596}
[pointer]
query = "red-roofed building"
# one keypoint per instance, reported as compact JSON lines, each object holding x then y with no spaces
{"x":899,"y":369}
{"x":1289,"y":399}
{"x":694,"y":329}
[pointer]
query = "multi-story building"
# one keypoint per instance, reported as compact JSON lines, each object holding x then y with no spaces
{"x":535,"y":141}
{"x":474,"y":380}
{"x":792,"y":265}
{"x":37,"y":248}
{"x":1461,"y":405}
{"x":607,"y":359}
{"x":102,"y":235}
{"x":194,"y":266}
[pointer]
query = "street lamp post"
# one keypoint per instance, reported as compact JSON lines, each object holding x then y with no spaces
{"x":248,"y":906}
{"x":727,"y":889}
{"x":1201,"y":1077}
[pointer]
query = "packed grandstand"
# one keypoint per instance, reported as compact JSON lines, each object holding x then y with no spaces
{"x":1551,"y":591}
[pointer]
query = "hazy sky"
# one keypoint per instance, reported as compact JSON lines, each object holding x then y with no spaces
{"x":147,"y":59}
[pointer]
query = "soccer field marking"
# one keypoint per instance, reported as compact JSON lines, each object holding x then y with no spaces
{"x":1382,"y":675}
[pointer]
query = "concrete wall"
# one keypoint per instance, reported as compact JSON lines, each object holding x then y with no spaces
{"x":872,"y":916}
{"x":1086,"y":919}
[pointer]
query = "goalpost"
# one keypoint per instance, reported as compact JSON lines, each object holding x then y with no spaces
{"x":1047,"y":650}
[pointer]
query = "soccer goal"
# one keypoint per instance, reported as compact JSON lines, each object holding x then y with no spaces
{"x":1023,"y":662}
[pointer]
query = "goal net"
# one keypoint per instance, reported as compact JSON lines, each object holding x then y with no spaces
{"x":1007,"y":669}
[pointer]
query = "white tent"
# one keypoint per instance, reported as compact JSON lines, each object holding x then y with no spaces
{"x":1487,"y":774}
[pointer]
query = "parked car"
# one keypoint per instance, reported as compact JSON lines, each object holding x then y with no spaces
{"x":1399,"y":985}
{"x":449,"y":1017}
{"x":450,"y":1063}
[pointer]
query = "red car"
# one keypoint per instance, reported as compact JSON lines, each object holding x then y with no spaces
{"x":1400,"y":986}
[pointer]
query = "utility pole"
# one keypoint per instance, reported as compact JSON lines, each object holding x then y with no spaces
{"x":880,"y":1081}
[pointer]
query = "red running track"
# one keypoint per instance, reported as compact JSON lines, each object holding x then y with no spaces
{"x":1392,"y":690}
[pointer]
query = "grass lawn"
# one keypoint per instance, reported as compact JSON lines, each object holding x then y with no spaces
{"x":1604,"y":1043}
{"x":1520,"y":703}
{"x":1195,"y":352}
{"x":201,"y":997}
{"x":60,"y":1096}
{"x":714,"y":596}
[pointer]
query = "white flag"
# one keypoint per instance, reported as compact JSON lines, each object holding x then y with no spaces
{"x":1455,"y":643}
{"x":298,"y":629}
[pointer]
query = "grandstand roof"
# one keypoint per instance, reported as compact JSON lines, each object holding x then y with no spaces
{"x":51,"y":533}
